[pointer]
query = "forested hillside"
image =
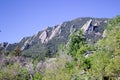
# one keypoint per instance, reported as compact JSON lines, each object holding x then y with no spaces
{"x":92,"y":62}
{"x":76,"y":60}
{"x":45,"y":43}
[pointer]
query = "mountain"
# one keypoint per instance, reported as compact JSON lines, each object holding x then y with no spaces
{"x":46,"y":42}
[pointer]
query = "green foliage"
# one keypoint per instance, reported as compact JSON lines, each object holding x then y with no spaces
{"x":60,"y":72}
{"x":37,"y":76}
{"x":103,"y":64}
{"x":76,"y":41}
{"x":113,"y":69}
{"x":115,"y":21}
{"x":35,"y":52}
{"x":23,"y":74}
{"x":14,"y":72}
{"x":99,"y":62}
{"x":69,"y":65}
{"x":86,"y":63}
{"x":82,"y":50}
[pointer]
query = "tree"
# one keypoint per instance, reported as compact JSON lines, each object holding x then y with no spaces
{"x":105,"y":63}
{"x":75,"y":42}
{"x":113,"y":69}
{"x":98,"y":64}
{"x":115,"y":21}
{"x":17,"y":51}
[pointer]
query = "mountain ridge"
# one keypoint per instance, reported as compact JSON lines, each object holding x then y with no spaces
{"x":51,"y":37}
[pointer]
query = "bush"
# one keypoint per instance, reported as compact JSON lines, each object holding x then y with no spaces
{"x":14,"y":72}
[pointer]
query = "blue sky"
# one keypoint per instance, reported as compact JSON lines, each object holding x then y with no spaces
{"x":20,"y":18}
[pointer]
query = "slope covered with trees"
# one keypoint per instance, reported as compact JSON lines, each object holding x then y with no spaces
{"x":77,"y":60}
{"x":102,"y":64}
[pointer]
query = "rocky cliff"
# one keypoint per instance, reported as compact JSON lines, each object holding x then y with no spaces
{"x":47,"y":41}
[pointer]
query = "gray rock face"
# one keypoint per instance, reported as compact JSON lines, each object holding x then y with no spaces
{"x":86,"y":26}
{"x":26,"y":45}
{"x":4,"y":45}
{"x":3,"y":48}
{"x":55,"y":31}
{"x":44,"y":37}
{"x":40,"y":66}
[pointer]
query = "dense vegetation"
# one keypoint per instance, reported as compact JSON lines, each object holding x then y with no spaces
{"x":76,"y":61}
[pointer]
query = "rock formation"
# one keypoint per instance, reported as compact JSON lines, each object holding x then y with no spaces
{"x":51,"y":37}
{"x":86,"y":26}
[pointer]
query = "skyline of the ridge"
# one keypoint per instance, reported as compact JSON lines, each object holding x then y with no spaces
{"x":20,"y":18}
